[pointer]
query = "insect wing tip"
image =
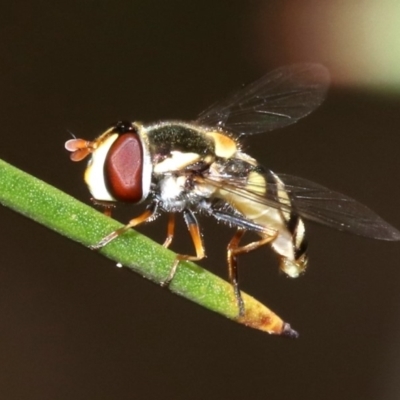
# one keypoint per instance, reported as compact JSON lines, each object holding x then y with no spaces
{"x":395,"y":235}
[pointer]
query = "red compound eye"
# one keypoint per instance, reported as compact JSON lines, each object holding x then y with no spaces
{"x":123,"y":169}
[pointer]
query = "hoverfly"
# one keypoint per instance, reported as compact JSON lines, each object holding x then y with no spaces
{"x":199,"y":168}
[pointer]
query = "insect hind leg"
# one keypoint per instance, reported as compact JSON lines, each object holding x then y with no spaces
{"x":234,"y":249}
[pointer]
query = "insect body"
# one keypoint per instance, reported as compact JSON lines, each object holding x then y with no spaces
{"x":199,"y":167}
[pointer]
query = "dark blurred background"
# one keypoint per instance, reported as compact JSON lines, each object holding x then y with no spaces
{"x":72,"y":326}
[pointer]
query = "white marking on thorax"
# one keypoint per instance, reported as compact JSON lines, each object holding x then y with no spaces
{"x":176,"y":162}
{"x":171,"y":187}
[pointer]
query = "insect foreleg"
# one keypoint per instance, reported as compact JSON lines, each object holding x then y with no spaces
{"x":149,"y":213}
{"x":106,"y":205}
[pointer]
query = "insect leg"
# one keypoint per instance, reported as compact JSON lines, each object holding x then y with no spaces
{"x":106,"y":205}
{"x":194,"y":230}
{"x":233,"y":251}
{"x":170,"y":230}
{"x":149,"y":213}
{"x":107,"y":211}
{"x":232,"y":268}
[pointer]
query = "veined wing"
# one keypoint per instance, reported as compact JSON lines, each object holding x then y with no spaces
{"x":313,"y":202}
{"x":278,"y":99}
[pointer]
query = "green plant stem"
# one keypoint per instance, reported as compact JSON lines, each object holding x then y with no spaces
{"x":83,"y":224}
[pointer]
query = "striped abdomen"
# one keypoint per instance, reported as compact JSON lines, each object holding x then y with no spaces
{"x":290,"y":242}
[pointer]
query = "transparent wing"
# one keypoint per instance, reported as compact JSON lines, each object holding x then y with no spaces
{"x":278,"y":99}
{"x":314,"y":202}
